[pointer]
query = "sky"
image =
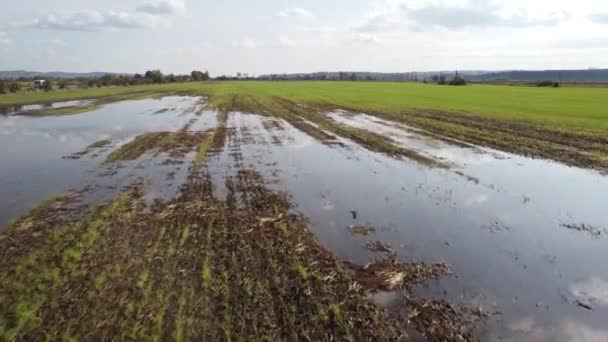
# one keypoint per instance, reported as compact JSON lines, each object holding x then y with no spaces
{"x":288,"y":36}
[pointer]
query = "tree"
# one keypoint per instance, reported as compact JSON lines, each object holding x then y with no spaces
{"x":3,"y":87}
{"x":435,"y":78}
{"x":441,"y":80}
{"x":155,"y":76}
{"x":197,"y":75}
{"x":14,"y":87}
{"x":48,"y":85}
{"x":171,"y":78}
{"x":63,"y":85}
{"x":457,"y":80}
{"x":353,"y":77}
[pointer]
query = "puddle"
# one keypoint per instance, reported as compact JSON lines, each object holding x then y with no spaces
{"x":35,"y":168}
{"x":20,"y":110}
{"x":495,"y":217}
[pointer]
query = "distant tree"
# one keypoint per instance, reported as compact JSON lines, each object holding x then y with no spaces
{"x":238,"y":74}
{"x":342,"y":76}
{"x":108,"y":80}
{"x":48,"y":85}
{"x":457,"y":80}
{"x":14,"y":87}
{"x":544,"y":84}
{"x":206,"y":76}
{"x":171,"y":78}
{"x":3,"y":87}
{"x":353,"y":77}
{"x":155,"y":76}
{"x":63,"y":85}
{"x":197,"y":75}
{"x":441,"y":80}
{"x":435,"y":78}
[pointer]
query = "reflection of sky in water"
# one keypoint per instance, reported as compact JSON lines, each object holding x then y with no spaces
{"x":502,"y":236}
{"x":32,"y":166}
{"x":18,"y":110}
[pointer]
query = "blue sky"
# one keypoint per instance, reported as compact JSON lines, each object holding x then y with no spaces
{"x":302,"y":36}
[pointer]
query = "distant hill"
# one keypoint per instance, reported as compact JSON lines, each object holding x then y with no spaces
{"x":15,"y":74}
{"x":588,"y":75}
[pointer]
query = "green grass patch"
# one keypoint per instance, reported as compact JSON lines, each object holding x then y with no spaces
{"x":575,"y":109}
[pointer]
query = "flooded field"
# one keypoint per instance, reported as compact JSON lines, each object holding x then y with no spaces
{"x":525,"y":239}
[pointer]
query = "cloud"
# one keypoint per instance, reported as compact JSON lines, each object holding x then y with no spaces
{"x":4,"y":39}
{"x":296,"y":12}
{"x":163,"y":7}
{"x":285,"y":41}
{"x":246,"y":43}
{"x":57,"y":42}
{"x":92,"y":20}
{"x":452,"y":15}
{"x":474,"y":14}
{"x":365,"y":37}
{"x":599,"y":18}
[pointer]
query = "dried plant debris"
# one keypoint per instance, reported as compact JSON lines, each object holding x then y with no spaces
{"x":389,"y":275}
{"x":190,"y":268}
{"x":378,"y":247}
{"x":176,"y":144}
{"x":361,"y":229}
{"x":94,"y":146}
{"x":439,"y":321}
{"x":587,"y":228}
{"x":468,"y":177}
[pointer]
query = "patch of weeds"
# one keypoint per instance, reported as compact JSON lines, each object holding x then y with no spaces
{"x":378,"y":247}
{"x":361,"y":229}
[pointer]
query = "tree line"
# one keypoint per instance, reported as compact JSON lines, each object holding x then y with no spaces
{"x":149,"y":77}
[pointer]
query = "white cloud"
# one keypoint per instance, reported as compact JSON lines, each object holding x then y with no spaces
{"x":599,"y":18}
{"x":246,"y":43}
{"x":57,"y":42}
{"x":92,"y":20}
{"x":163,"y":7}
{"x":285,"y":41}
{"x":296,"y":12}
{"x":454,"y":14}
{"x":4,"y":39}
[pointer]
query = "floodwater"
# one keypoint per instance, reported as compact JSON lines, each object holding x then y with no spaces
{"x":526,"y":238}
{"x":25,"y":109}
{"x":33,"y":158}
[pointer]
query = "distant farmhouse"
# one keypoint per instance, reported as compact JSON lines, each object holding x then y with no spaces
{"x":39,"y":84}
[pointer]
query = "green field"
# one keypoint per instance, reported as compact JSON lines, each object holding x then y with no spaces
{"x":578,"y":109}
{"x":581,"y":108}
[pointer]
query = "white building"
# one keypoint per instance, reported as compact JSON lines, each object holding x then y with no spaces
{"x":39,"y":84}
